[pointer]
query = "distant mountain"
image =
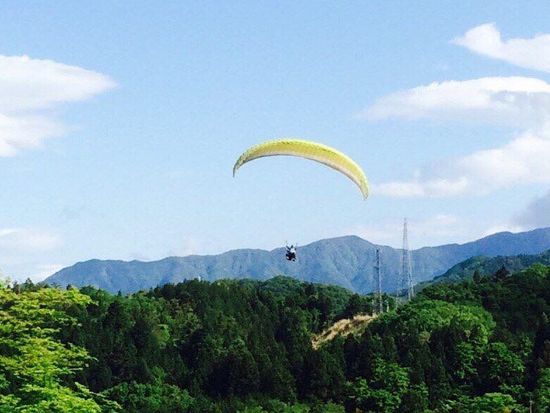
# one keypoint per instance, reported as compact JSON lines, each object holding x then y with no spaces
{"x":486,"y":266}
{"x":344,"y":261}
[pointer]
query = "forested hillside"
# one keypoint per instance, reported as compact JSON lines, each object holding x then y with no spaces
{"x":245,"y":346}
{"x":486,"y":265}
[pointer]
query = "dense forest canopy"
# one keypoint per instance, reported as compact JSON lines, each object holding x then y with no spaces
{"x":245,"y":346}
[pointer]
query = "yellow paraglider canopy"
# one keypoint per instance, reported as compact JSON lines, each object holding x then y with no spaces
{"x":310,"y":150}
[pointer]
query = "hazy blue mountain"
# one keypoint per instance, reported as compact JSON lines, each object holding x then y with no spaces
{"x":345,"y":261}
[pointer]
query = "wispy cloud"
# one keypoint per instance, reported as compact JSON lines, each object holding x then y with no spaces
{"x":42,"y":271}
{"x":186,"y":246}
{"x":536,"y":214}
{"x":23,"y":252}
{"x":506,"y":227}
{"x":515,"y":101}
{"x":533,"y":53}
{"x":521,"y":161}
{"x":423,"y":186}
{"x":434,"y":230}
{"x":30,"y":89}
{"x":503,"y":100}
{"x":27,"y":240}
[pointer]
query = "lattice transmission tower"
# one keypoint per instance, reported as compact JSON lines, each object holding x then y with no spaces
{"x":378,"y":270}
{"x":406,"y":264}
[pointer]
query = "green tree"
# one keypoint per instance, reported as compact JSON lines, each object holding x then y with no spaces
{"x":35,"y":367}
{"x":477,"y":276}
{"x":501,"y":367}
{"x":542,"y":392}
{"x":383,"y":391}
{"x":156,"y":397}
{"x":415,"y":399}
{"x":489,"y":403}
{"x":501,"y":273}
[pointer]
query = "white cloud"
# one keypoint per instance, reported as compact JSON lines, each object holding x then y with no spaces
{"x":23,"y":132}
{"x":518,"y":101}
{"x":30,"y":89}
{"x":522,"y":161}
{"x":508,"y":100}
{"x":23,"y":252}
{"x":435,"y":230}
{"x":26,"y":240}
{"x":503,"y":228}
{"x":419,"y":188}
{"x":536,"y":214}
{"x":186,"y":246}
{"x":486,"y":40}
{"x":42,"y":271}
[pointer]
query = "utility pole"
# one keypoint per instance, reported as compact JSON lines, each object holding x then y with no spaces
{"x":406,"y":264}
{"x":379,"y":281}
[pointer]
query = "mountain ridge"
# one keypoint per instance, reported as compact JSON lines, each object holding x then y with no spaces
{"x":486,"y":266}
{"x":346,"y":261}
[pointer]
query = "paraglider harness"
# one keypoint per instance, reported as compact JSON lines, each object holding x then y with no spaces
{"x":291,"y":253}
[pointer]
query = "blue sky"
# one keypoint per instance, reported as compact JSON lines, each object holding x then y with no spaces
{"x":120,"y":123}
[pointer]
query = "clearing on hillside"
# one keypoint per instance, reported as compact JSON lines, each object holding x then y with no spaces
{"x":344,"y":328}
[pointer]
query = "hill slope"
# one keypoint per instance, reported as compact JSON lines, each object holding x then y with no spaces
{"x":345,"y":261}
{"x":487,"y":265}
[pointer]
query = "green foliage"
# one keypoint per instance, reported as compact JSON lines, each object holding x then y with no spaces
{"x":478,"y":268}
{"x":502,"y":366}
{"x":35,"y":367}
{"x":151,"y":398}
{"x":246,"y":346}
{"x":488,"y":403}
{"x":279,"y":407}
{"x":383,"y":391}
{"x":542,"y":392}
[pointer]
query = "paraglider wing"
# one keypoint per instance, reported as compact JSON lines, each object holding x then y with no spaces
{"x":310,"y":150}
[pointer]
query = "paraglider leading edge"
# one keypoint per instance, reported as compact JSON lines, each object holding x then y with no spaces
{"x":309,"y":150}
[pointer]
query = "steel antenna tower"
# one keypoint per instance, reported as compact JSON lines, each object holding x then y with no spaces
{"x":406,"y":264}
{"x":379,"y":281}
